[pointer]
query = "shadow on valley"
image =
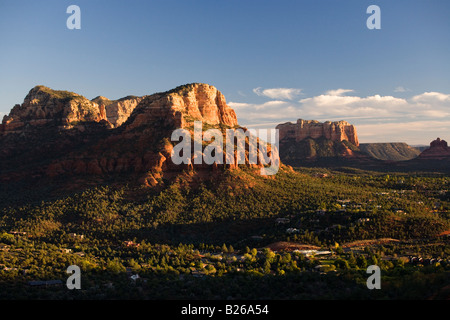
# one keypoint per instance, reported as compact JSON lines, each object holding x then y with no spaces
{"x":414,"y":166}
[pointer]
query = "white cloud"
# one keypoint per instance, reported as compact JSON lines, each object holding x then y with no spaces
{"x":278,"y":93}
{"x":338,"y":92}
{"x":255,"y":107}
{"x":431,"y":97}
{"x":270,"y":110}
{"x":345,"y":106}
{"x":239,"y":105}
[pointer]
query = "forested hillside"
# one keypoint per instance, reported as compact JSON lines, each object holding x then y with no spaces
{"x":218,"y":231}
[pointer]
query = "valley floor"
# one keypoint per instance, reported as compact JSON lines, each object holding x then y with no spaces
{"x":309,"y":234}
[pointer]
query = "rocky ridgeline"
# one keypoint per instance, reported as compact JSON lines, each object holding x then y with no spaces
{"x":62,"y":134}
{"x":183,"y":105}
{"x":44,"y":107}
{"x":142,"y":143}
{"x":67,"y":110}
{"x":334,"y":131}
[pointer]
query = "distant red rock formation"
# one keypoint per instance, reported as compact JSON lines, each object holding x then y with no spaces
{"x":438,"y":149}
{"x":438,"y":143}
{"x":334,"y":131}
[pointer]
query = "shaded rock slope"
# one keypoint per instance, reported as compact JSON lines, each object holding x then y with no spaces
{"x":62,"y":137}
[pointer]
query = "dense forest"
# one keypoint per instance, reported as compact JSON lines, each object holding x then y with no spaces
{"x":215,"y":239}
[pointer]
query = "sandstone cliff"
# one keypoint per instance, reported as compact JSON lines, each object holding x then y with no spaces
{"x":118,"y":111}
{"x":44,"y":107}
{"x":182,"y":105}
{"x":310,"y":142}
{"x":128,"y":138}
{"x":142,"y":144}
{"x":334,"y":131}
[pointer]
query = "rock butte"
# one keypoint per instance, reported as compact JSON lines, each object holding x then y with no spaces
{"x":438,"y":150}
{"x":59,"y":133}
{"x":302,"y":129}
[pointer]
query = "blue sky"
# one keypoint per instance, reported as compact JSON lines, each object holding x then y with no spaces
{"x":275,"y":61}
